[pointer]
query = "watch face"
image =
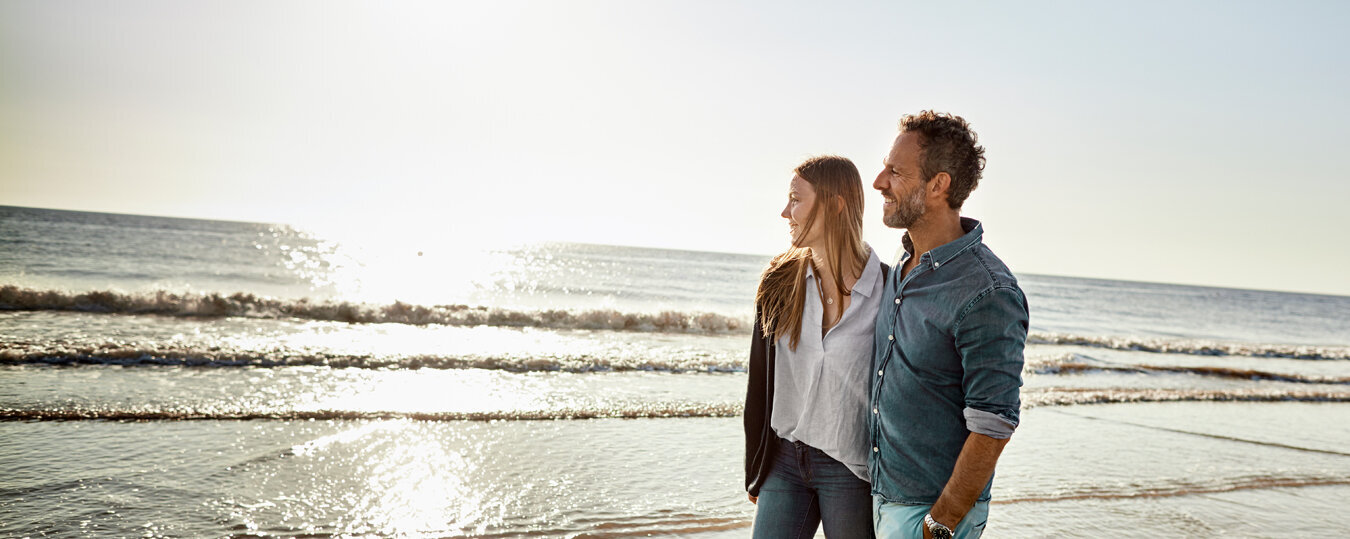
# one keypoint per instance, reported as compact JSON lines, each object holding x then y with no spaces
{"x":941,"y":533}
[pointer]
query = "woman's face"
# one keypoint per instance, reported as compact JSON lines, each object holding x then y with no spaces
{"x":801,"y":202}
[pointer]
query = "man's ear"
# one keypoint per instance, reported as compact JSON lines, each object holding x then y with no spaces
{"x":940,"y":184}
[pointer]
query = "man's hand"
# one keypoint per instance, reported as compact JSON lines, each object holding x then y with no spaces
{"x":753,"y":499}
{"x":974,"y":467}
{"x":927,"y":534}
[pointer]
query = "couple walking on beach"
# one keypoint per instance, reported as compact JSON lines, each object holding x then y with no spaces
{"x":880,"y":398}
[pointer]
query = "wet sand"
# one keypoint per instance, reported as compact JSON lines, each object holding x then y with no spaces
{"x":1141,"y":469}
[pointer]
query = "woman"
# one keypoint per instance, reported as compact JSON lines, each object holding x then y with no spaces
{"x":805,"y":411}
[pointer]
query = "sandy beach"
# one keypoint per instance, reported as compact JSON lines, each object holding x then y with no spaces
{"x":1219,"y":469}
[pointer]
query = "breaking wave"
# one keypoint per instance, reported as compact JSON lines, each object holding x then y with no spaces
{"x":132,"y":355}
{"x":1064,"y":396}
{"x":1075,"y":363}
{"x":1031,"y":398}
{"x":674,"y":361}
{"x":637,"y":411}
{"x":243,"y":304}
{"x":1194,"y":347}
{"x":252,"y":306}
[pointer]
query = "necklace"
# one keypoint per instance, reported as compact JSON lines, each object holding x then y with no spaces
{"x":825,"y":300}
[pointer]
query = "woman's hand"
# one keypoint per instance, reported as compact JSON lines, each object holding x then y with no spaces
{"x":753,"y":499}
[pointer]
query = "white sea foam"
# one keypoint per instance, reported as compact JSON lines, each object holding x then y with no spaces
{"x":1201,"y":347}
{"x":243,"y":304}
{"x":130,"y":355}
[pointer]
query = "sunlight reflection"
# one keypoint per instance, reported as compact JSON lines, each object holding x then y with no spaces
{"x":413,"y":267}
{"x":399,"y":478}
{"x":402,"y":340}
{"x":419,"y":486}
{"x":431,"y":391}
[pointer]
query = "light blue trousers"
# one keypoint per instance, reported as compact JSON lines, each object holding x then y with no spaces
{"x":900,"y":521}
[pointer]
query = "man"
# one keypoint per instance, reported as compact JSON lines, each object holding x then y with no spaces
{"x":950,"y":335}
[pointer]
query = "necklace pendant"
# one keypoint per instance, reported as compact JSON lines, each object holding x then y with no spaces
{"x":829,"y":301}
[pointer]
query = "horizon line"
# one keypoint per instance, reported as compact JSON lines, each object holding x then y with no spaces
{"x":686,"y":250}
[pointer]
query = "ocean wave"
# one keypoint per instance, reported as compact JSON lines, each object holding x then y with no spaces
{"x":1181,"y":489}
{"x":243,"y":304}
{"x":1047,"y":397}
{"x":1065,"y":396}
{"x":133,"y":355}
{"x":1076,"y":363}
{"x":252,"y":306}
{"x":261,"y":307}
{"x":1194,"y":347}
{"x":634,"y":411}
{"x":674,"y":361}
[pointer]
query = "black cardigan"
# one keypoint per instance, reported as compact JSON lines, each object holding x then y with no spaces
{"x":761,"y":442}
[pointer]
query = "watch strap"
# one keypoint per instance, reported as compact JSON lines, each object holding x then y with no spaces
{"x":937,"y":529}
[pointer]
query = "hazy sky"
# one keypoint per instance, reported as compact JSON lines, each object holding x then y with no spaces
{"x":1188,"y":142}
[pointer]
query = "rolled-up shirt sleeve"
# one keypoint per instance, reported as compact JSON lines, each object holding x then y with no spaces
{"x":990,"y":337}
{"x":991,"y":425}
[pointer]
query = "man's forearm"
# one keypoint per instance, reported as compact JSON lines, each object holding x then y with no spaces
{"x":973,"y":469}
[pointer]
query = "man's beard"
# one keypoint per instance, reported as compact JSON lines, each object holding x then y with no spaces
{"x":907,"y":211}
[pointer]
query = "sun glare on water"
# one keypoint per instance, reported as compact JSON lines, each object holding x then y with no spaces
{"x":398,"y":478}
{"x":419,"y":267}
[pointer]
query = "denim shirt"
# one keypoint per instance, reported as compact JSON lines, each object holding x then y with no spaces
{"x":948,"y":362}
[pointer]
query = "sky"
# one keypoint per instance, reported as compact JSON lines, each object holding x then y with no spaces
{"x":1179,"y":142}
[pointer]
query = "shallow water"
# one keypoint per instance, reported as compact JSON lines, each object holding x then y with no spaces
{"x":1094,"y":473}
{"x":169,"y":377}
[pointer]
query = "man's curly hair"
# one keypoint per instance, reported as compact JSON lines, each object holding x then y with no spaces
{"x":948,"y":145}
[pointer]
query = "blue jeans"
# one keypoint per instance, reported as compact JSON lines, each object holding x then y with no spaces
{"x":806,"y":487}
{"x":900,"y":520}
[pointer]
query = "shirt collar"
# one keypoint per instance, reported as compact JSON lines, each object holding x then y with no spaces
{"x":871,"y":272}
{"x":941,"y":255}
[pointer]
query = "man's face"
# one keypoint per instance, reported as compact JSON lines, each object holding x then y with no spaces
{"x":901,"y":187}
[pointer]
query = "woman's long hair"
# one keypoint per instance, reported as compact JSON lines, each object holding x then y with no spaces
{"x":781,"y":298}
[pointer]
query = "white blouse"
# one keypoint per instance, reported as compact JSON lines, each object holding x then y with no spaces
{"x":820,"y":389}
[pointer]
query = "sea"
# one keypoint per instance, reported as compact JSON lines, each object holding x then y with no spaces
{"x":164,"y":377}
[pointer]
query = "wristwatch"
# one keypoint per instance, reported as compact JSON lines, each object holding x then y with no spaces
{"x":936,"y":528}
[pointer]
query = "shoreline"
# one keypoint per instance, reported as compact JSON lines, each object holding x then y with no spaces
{"x":1081,"y":470}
